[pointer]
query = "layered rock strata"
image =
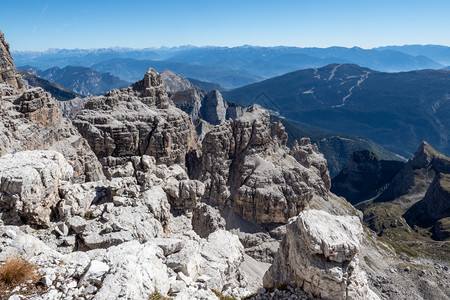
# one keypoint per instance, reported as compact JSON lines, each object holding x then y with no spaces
{"x":138,"y":120}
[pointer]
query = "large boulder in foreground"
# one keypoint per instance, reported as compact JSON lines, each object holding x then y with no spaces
{"x":319,"y":254}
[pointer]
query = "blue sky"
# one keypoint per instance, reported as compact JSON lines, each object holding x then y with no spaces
{"x":40,"y":25}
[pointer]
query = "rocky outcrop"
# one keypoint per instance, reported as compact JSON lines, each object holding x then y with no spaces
{"x":320,"y":255}
{"x":32,"y":120}
{"x":213,"y":108}
{"x":364,"y":176}
{"x":8,"y":73}
{"x":138,"y":120}
{"x":199,"y":104}
{"x":29,"y":183}
{"x":435,"y":204}
{"x":246,"y":165}
{"x":425,"y":162}
{"x":309,"y":156}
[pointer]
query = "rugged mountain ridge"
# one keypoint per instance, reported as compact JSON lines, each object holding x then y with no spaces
{"x":395,"y":110}
{"x":58,"y":92}
{"x":152,"y":222}
{"x":82,"y":80}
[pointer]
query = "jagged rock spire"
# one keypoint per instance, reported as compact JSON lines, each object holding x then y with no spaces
{"x":8,"y":72}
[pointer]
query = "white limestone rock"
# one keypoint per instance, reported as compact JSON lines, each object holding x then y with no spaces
{"x":319,"y":255}
{"x":29,"y":183}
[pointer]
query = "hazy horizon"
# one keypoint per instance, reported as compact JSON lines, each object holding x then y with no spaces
{"x":214,"y":46}
{"x":42,"y":25}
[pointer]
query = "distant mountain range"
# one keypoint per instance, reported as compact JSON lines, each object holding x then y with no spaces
{"x":440,"y":54}
{"x":132,"y":69}
{"x":82,"y":80}
{"x":237,"y":66}
{"x":395,"y":110}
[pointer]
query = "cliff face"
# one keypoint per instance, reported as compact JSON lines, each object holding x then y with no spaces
{"x":246,"y":165}
{"x":364,"y":176}
{"x":31,"y":120}
{"x":9,"y":74}
{"x":137,"y":120}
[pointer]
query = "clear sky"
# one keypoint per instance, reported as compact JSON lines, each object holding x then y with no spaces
{"x":40,"y":25}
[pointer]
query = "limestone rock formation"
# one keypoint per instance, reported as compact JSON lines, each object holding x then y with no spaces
{"x":31,"y":120}
{"x":199,"y":104}
{"x":29,"y":183}
{"x":246,"y":165}
{"x":137,"y":120}
{"x":319,"y":255}
{"x":9,"y":74}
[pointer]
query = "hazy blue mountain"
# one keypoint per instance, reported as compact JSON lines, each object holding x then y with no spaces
{"x":132,"y":70}
{"x":395,"y":110}
{"x":81,"y":80}
{"x":57,"y":91}
{"x":229,"y":67}
{"x":284,"y":59}
{"x":440,"y":54}
{"x":78,"y":57}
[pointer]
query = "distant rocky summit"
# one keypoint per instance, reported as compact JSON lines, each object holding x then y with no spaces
{"x":125,"y":200}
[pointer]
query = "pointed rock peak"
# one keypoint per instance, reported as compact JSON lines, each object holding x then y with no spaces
{"x":8,"y":72}
{"x":424,"y":155}
{"x":215,"y":95}
{"x":151,"y":79}
{"x":174,"y":82}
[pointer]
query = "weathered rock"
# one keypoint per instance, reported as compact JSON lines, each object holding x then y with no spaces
{"x":137,"y":120}
{"x":246,"y":163}
{"x":319,"y":255}
{"x":8,"y":73}
{"x":206,"y":220}
{"x":94,"y":273}
{"x":32,"y":121}
{"x":309,"y":156}
{"x":213,"y":108}
{"x":29,"y":182}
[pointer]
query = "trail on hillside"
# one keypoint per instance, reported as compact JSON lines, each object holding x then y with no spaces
{"x":350,"y":91}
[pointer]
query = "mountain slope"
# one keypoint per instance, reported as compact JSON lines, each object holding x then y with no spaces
{"x":395,"y":110}
{"x":82,"y":80}
{"x":57,"y":91}
{"x":336,"y":148}
{"x":413,"y":212}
